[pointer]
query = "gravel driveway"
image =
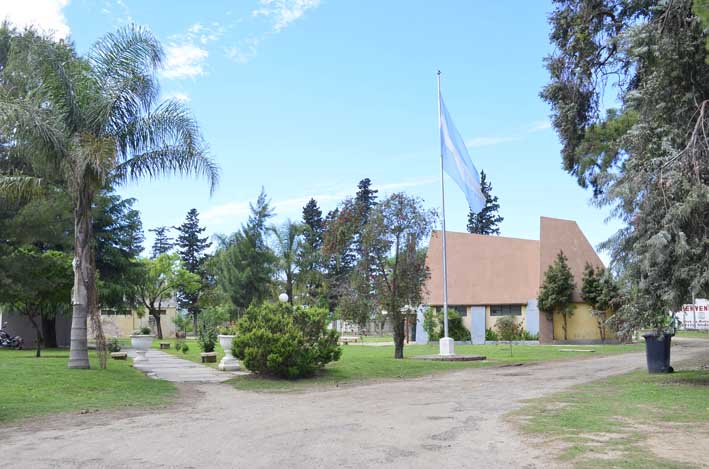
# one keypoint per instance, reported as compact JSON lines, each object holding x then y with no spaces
{"x":456,"y":419}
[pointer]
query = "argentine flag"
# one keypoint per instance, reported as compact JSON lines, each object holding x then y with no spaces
{"x":456,"y":161}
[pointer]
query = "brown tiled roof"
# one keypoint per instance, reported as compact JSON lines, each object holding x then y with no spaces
{"x":483,"y":270}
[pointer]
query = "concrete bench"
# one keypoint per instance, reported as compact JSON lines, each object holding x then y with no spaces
{"x":119,"y":355}
{"x":164,"y":345}
{"x":347,"y":339}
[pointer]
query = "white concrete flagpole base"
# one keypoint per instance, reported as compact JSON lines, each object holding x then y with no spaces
{"x":446,"y":346}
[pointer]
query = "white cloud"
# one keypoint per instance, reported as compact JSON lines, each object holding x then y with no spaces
{"x":486,"y":141}
{"x":186,"y":54}
{"x":284,"y":12}
{"x":539,"y":126}
{"x":244,"y":51}
{"x":184,"y":61}
{"x":44,"y":15}
{"x":178,"y":96}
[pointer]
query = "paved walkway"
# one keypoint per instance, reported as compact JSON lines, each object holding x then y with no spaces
{"x":165,"y":366}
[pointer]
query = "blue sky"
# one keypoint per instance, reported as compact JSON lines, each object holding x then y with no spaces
{"x":307,"y":97}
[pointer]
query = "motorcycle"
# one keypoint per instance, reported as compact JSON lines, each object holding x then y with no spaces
{"x":9,"y":341}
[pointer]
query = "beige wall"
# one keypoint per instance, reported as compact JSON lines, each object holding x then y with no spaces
{"x":123,"y":325}
{"x":582,"y":325}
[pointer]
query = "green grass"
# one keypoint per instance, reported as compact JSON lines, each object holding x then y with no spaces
{"x":360,"y":364}
{"x":367,"y":339}
{"x":622,"y":407}
{"x":693,"y":334}
{"x":37,"y":386}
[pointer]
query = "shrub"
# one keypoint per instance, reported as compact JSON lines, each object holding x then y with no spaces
{"x":113,"y":345}
{"x":185,"y":348}
{"x":227,"y":330}
{"x":433,"y":325}
{"x":526,"y":335}
{"x":490,"y":334}
{"x":285,"y":341}
{"x":508,"y":329}
{"x":142,"y":331}
{"x":209,"y":321}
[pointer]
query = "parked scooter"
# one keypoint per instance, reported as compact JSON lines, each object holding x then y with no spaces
{"x":9,"y":341}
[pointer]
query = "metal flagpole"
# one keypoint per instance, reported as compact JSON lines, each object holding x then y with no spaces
{"x":443,"y":210}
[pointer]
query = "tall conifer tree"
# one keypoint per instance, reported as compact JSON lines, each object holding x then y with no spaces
{"x":488,"y":219}
{"x":192,"y":250}
{"x":163,"y":243}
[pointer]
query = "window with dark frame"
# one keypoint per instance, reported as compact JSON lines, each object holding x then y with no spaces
{"x":505,"y":310}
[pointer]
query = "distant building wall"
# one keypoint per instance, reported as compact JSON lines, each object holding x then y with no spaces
{"x":582,"y":325}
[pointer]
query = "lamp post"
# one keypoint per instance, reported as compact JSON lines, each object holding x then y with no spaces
{"x":283,"y":297}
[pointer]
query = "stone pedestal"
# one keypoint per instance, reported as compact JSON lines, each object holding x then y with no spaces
{"x":140,"y":356}
{"x":446,"y":346}
{"x":228,"y":363}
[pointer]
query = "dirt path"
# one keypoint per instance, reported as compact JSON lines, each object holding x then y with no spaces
{"x":455,"y":419}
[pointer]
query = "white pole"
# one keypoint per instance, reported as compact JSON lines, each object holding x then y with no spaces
{"x":443,"y":210}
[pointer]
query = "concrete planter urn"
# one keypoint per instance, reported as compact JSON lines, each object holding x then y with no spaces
{"x":228,"y":363}
{"x":141,"y":343}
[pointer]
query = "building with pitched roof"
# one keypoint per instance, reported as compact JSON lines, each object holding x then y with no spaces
{"x":493,"y":276}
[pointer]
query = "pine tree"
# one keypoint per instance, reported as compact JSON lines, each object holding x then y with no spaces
{"x":486,"y":221}
{"x":163,"y":244}
{"x":365,"y":199}
{"x":310,"y":259}
{"x":191,"y":248}
{"x":556,"y":293}
{"x":244,"y":263}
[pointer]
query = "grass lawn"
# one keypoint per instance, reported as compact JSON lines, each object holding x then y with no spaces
{"x":36,"y":386}
{"x":377,"y":338}
{"x":693,"y":334}
{"x":613,"y":422}
{"x":361,"y":363}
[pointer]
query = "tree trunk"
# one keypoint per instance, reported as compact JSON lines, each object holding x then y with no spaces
{"x":49,"y":332}
{"x":398,"y":326}
{"x":38,"y":335}
{"x":158,"y":326}
{"x":84,"y":294}
{"x":564,"y":325}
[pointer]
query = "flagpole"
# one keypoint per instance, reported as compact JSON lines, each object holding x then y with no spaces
{"x":443,"y":210}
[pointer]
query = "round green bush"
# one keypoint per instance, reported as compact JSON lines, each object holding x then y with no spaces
{"x":285,"y":341}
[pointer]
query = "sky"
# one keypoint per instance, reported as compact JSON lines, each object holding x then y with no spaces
{"x":306,"y":97}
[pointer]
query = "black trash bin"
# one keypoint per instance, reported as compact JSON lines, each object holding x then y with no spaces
{"x":657,"y":350}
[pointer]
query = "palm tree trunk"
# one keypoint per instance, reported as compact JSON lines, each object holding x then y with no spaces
{"x":84,"y":294}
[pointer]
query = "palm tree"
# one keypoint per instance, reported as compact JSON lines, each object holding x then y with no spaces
{"x":287,"y":245}
{"x":94,"y":121}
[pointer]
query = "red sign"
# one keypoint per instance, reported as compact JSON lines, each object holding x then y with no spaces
{"x":695,"y":308}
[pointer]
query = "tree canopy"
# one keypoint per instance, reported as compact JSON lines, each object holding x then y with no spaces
{"x":646,"y":157}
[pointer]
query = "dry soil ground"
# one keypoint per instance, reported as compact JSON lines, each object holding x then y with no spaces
{"x":455,"y":419}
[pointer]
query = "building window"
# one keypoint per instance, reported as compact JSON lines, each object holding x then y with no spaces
{"x":505,"y":310}
{"x":460,"y":309}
